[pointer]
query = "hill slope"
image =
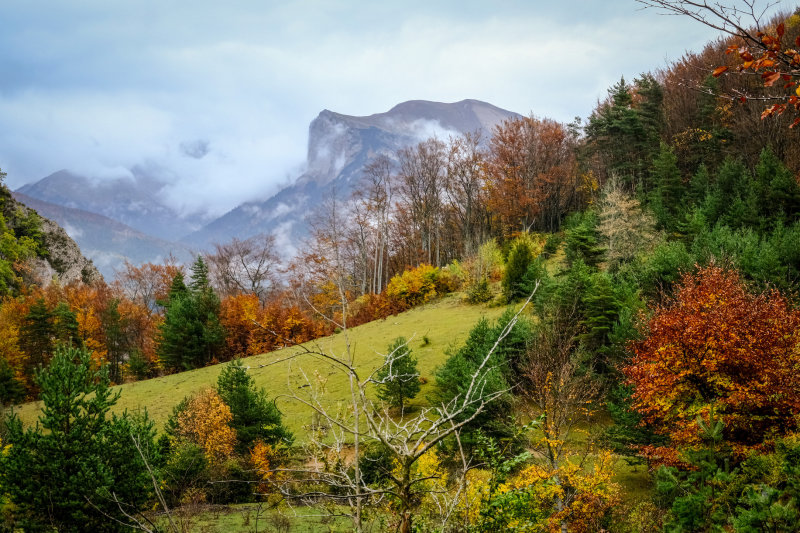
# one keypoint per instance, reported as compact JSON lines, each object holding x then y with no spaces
{"x":445,"y":322}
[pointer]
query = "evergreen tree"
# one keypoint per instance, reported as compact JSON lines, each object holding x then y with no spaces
{"x":668,"y":195}
{"x":601,"y":309}
{"x":66,"y":472}
{"x":12,"y":391}
{"x":255,"y":417}
{"x":454,"y":377}
{"x":65,"y":325}
{"x":37,"y":333}
{"x":582,"y":240}
{"x":781,"y":192}
{"x":191,"y":332}
{"x":398,"y":378}
{"x":117,"y":342}
{"x":699,"y":185}
{"x":519,"y":259}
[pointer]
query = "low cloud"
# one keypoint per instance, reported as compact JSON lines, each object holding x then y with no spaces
{"x":216,"y":100}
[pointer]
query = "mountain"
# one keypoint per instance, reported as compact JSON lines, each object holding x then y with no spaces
{"x":135,"y":201}
{"x":62,"y":259}
{"x":107,"y":242}
{"x":339,"y":146}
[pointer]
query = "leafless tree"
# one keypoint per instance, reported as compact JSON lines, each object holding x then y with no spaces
{"x":464,"y":187}
{"x":341,"y":431}
{"x":422,"y":171}
{"x":553,"y":389}
{"x":247,"y":266}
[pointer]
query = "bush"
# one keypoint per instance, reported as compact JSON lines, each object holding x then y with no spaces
{"x":479,"y":292}
{"x":419,"y":285}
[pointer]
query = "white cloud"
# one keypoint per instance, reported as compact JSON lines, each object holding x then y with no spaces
{"x":99,"y":87}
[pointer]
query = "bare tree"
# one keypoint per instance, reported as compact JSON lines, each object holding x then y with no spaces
{"x":465,"y":189}
{"x":340,"y":433}
{"x":378,"y":196}
{"x":422,"y":171}
{"x":247,"y":266}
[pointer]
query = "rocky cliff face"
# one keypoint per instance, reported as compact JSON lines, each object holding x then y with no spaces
{"x":339,"y":147}
{"x":63,"y":260}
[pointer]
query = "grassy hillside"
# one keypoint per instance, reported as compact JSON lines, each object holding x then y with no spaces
{"x":444,"y":322}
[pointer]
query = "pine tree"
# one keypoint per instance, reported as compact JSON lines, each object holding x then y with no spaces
{"x":669,"y":191}
{"x":398,"y":378}
{"x":37,"y":334}
{"x":255,"y":417}
{"x":65,"y":473}
{"x":191,"y":333}
{"x":65,"y":325}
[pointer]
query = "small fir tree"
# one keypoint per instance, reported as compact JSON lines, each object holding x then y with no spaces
{"x":398,"y":378}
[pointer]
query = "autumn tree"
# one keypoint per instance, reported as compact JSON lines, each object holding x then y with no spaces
{"x":149,"y":283}
{"x":625,"y":228}
{"x":532,"y":174}
{"x":465,"y":189}
{"x":761,"y":47}
{"x":421,"y":177}
{"x":206,"y":422}
{"x":717,"y":346}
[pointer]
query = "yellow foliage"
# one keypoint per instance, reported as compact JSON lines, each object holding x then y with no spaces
{"x":586,"y":496}
{"x":262,"y":456}
{"x":206,"y":422}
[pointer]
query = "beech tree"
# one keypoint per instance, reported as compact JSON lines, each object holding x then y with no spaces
{"x":247,"y":266}
{"x":532,"y":174}
{"x":716,"y":345}
{"x":761,"y":47}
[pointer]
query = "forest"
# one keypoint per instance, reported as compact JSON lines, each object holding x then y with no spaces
{"x":639,"y":372}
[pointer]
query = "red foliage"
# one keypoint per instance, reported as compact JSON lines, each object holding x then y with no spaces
{"x":718,"y":345}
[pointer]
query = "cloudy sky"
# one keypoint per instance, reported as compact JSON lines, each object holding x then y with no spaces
{"x":216,"y":97}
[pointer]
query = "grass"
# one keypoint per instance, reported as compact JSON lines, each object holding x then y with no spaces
{"x":444,"y":322}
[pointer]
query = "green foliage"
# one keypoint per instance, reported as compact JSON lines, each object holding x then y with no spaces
{"x":626,"y":136}
{"x":398,"y":378}
{"x":480,"y":292}
{"x":628,"y":432}
{"x":255,"y":417}
{"x":12,"y":390}
{"x":66,"y":472}
{"x":453,"y":379}
{"x":37,"y":332}
{"x":191,"y":333}
{"x":519,"y":259}
{"x":669,"y":191}
{"x":582,"y":241}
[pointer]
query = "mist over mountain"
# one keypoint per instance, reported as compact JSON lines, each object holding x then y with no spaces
{"x":130,"y":217}
{"x":107,"y":242}
{"x":339,"y":146}
{"x":136,"y":200}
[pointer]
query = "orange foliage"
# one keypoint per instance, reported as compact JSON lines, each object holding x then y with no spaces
{"x":253,"y":329}
{"x":532,"y":174}
{"x":715,"y":345}
{"x":262,"y":456}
